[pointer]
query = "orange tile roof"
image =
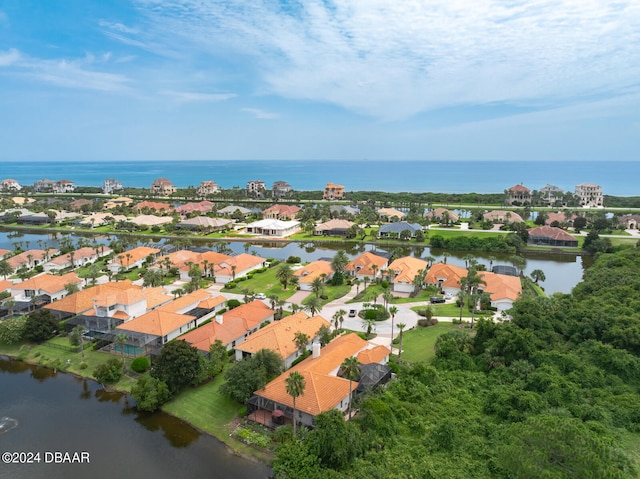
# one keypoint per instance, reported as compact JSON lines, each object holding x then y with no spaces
{"x":334,"y":224}
{"x":373,"y":355}
{"x":242,"y":262}
{"x":157,"y":323}
{"x":288,"y":211}
{"x":186,"y":300}
{"x":112,"y":297}
{"x":3,"y":252}
{"x":78,"y":255}
{"x":135,"y":254}
{"x":407,"y":268}
{"x":254,"y":313}
{"x":22,"y":258}
{"x":313,"y":270}
{"x":391,"y":212}
{"x":279,"y":336}
{"x":5,"y":284}
{"x":212,"y":302}
{"x":48,"y":283}
{"x":501,"y":286}
{"x":83,"y":300}
{"x":363,"y":264}
{"x":552,"y":232}
{"x":449,"y":274}
{"x":501,"y":215}
{"x":322,"y":390}
{"x":152,"y":205}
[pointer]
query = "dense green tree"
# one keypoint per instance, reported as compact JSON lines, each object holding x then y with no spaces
{"x":252,"y":373}
{"x":150,"y":393}
{"x":178,"y":365}
{"x":5,"y":268}
{"x":335,"y":441}
{"x":152,"y":278}
{"x":109,"y":371}
{"x":339,"y":262}
{"x":40,"y":326}
{"x":12,"y":329}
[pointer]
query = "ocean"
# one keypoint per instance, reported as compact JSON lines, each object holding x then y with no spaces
{"x":616,"y":178}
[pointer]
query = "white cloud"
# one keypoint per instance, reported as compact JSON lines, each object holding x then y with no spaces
{"x":261,"y":114}
{"x":393,"y":59}
{"x":9,"y":57}
{"x":189,"y":97}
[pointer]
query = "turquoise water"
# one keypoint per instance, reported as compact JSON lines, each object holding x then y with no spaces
{"x":616,"y":178}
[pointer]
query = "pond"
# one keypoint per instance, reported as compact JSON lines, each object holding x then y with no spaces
{"x":58,"y":412}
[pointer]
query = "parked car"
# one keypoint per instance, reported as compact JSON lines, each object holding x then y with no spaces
{"x":260,"y":296}
{"x":352,"y":313}
{"x":437,"y":299}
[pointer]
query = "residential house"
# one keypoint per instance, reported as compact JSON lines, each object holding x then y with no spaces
{"x":342,"y":211}
{"x":4,"y":253}
{"x":36,"y":219}
{"x":31,"y":258}
{"x":335,"y":227}
{"x":115,"y":202}
{"x":367,"y":265}
{"x":559,"y":218}
{"x":200,"y":207}
{"x":111,"y":185}
{"x":162,"y":187}
{"x":77,"y":205}
{"x":333,"y":191}
{"x":77,"y":258}
{"x":316,"y":269}
{"x":207,"y":188}
{"x":394,"y":230}
{"x":548,"y":235}
{"x":631,"y":222}
{"x":589,"y":195}
{"x":256,"y":188}
{"x":233,"y":267}
{"x":232,"y":209}
{"x":10,"y":185}
{"x":518,"y":195}
{"x":64,"y":186}
{"x":324,"y":388}
{"x":132,"y":258}
{"x":153,"y":205}
{"x":551,"y":194}
{"x":403,"y":271}
{"x":280,"y":337}
{"x":200,"y":303}
{"x":281,"y":212}
{"x":278,"y":228}
{"x":99,"y":219}
{"x":232,"y":327}
{"x":205,"y":223}
{"x":280,"y":189}
{"x":150,"y":220}
{"x":442,"y":215}
{"x":390,"y":214}
{"x":503,"y":290}
{"x":50,"y":287}
{"x":501,"y":216}
{"x":446,"y":277}
{"x":44,"y":186}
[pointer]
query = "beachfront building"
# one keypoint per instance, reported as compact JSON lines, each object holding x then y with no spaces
{"x":10,"y":185}
{"x":231,"y":328}
{"x":333,"y":191}
{"x":367,"y":265}
{"x":550,"y":236}
{"x":589,"y":195}
{"x":162,"y":187}
{"x":324,"y":388}
{"x":518,"y":195}
{"x":631,"y":222}
{"x":403,"y":271}
{"x":43,"y":186}
{"x":111,"y":185}
{"x":49,"y":186}
{"x":502,"y":216}
{"x":551,"y":194}
{"x":256,"y":188}
{"x":280,"y":337}
{"x":206,"y":188}
{"x":281,"y":212}
{"x":277,"y":228}
{"x":280,"y":189}
{"x":309,"y":273}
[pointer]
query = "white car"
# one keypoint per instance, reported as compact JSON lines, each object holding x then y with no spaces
{"x":260,"y":296}
{"x":448,"y":296}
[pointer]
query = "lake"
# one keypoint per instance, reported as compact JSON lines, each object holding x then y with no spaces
{"x":58,"y":412}
{"x":562,"y":271}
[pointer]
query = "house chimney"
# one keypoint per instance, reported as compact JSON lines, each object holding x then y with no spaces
{"x":219,"y":318}
{"x":316,"y":350}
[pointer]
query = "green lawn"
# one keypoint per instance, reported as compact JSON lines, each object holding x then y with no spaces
{"x":417,"y":344}
{"x":375,"y":290}
{"x":449,"y":233}
{"x":332,"y":293}
{"x":212,"y":412}
{"x":449,"y":310}
{"x":264,"y":283}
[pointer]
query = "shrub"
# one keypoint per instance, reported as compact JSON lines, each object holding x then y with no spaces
{"x":109,"y":372}
{"x":140,"y":364}
{"x":233,"y":303}
{"x":83,"y":365}
{"x":370,"y":314}
{"x":294,"y":259}
{"x":230,"y":285}
{"x":251,"y":437}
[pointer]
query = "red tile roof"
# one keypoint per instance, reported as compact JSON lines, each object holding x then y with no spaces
{"x":551,"y":232}
{"x":363,"y":264}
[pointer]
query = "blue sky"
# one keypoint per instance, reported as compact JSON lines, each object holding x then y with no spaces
{"x":262,"y":79}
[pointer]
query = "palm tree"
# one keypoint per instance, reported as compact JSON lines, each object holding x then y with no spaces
{"x":313,"y":305}
{"x":370,"y":324}
{"x":77,"y":332}
{"x":466,"y":259}
{"x":317,"y":286}
{"x":461,"y":297}
{"x":538,"y":275}
{"x":233,"y":272}
{"x":336,"y":319}
{"x":491,"y":260}
{"x":120,"y":341}
{"x":393,"y":310}
{"x":284,"y":275}
{"x":295,"y":385}
{"x":301,"y":340}
{"x":357,"y":283}
{"x":401,"y":327}
{"x":387,"y":297}
{"x":5,"y":268}
{"x":350,"y":370}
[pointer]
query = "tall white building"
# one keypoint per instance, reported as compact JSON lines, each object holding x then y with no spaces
{"x":589,"y":195}
{"x":110,"y":185}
